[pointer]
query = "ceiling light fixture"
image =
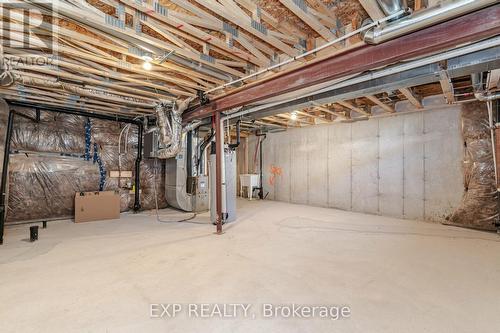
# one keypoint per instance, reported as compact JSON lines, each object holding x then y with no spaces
{"x":147,"y":63}
{"x":294,"y":115}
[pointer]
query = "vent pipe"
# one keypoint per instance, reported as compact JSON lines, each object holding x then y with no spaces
{"x":390,"y":7}
{"x":479,"y":93}
{"x":486,"y":97}
{"x":169,"y":118}
{"x":421,"y":19}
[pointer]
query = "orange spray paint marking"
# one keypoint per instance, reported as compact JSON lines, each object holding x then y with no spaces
{"x":275,"y":171}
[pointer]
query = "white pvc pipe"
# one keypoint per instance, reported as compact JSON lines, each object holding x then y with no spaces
{"x":492,"y":133}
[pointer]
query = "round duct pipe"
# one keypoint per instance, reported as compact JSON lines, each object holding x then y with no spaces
{"x":424,"y":18}
{"x":479,"y":93}
{"x":390,"y":7}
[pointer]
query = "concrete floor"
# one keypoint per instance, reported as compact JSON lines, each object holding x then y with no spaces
{"x":395,"y":275}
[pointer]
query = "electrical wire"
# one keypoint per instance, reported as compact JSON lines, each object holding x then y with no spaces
{"x":126,"y":128}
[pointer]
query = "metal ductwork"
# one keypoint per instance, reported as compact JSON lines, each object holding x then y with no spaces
{"x":477,"y":81}
{"x":169,"y":117}
{"x":185,"y":189}
{"x":479,"y":93}
{"x":445,"y":11}
{"x":485,"y":97}
{"x":390,"y":7}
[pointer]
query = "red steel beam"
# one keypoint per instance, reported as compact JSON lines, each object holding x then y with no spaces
{"x":468,"y":28}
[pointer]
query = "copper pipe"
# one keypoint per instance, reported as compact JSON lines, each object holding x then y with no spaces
{"x":218,"y":171}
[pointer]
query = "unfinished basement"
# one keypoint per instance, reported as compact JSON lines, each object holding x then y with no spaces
{"x":250,"y":166}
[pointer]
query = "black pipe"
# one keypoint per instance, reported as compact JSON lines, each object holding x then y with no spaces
{"x":77,"y":112}
{"x":203,"y":146}
{"x":261,"y":189}
{"x":235,"y":145}
{"x":189,"y":162}
{"x":5,"y":173}
{"x":25,"y":116}
{"x":189,"y":153}
{"x":33,"y":233}
{"x":137,"y":192}
{"x":129,"y":120}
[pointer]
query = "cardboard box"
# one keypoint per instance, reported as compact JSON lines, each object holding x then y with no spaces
{"x":95,"y":206}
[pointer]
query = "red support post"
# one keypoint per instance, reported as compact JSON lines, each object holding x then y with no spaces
{"x":219,"y":146}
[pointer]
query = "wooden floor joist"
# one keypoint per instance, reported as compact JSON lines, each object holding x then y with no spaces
{"x":373,"y":9}
{"x":353,"y":107}
{"x":309,"y":19}
{"x":378,"y":102}
{"x":412,"y":97}
{"x":137,"y":53}
{"x":480,"y":24}
{"x":190,"y":46}
{"x":313,"y":116}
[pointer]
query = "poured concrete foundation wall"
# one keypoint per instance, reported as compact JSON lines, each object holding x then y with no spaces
{"x":408,"y":166}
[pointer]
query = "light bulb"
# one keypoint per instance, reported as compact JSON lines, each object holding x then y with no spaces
{"x":294,"y":116}
{"x":147,"y":65}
